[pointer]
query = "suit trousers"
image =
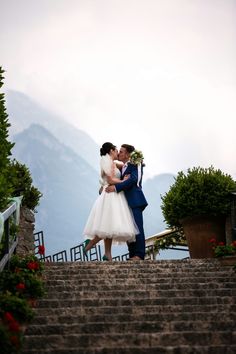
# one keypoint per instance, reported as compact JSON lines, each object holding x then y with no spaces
{"x":137,"y":248}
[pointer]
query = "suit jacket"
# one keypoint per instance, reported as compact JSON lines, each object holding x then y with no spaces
{"x":133,"y":193}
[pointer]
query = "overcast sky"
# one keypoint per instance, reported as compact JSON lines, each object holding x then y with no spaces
{"x":159,"y":74}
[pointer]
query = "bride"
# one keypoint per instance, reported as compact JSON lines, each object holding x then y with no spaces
{"x":110,"y":218}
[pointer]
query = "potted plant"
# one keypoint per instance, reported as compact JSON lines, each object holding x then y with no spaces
{"x":198,"y":202}
{"x":225,"y":253}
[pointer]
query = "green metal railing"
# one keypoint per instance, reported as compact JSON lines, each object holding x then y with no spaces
{"x":8,"y":244}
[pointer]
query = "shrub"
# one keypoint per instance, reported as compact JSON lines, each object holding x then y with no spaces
{"x":202,"y":191}
{"x":21,"y":184}
{"x":5,"y":150}
{"x":19,"y":287}
{"x":17,"y":306}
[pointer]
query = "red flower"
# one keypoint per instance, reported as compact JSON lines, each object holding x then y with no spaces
{"x":33,"y":265}
{"x":8,"y":317}
{"x":14,"y":326}
{"x":234,"y":244}
{"x":20,"y":286}
{"x":41,"y":249}
{"x":221,"y":244}
{"x":212,"y":240}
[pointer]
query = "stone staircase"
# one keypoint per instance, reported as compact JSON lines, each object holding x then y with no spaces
{"x":150,"y":307}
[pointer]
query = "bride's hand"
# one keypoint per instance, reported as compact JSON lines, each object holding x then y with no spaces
{"x":126,"y":177}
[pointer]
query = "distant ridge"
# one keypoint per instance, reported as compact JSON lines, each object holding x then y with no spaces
{"x":24,"y":111}
{"x":68,"y":183}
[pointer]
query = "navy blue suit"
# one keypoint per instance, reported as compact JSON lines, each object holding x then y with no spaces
{"x":137,"y":203}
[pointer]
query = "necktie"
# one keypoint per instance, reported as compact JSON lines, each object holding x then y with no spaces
{"x":124,"y":168}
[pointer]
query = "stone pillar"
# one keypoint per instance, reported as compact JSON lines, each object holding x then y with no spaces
{"x":26,"y":232}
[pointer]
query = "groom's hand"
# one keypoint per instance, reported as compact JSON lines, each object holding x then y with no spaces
{"x":110,"y":189}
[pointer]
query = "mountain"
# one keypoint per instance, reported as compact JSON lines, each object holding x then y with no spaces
{"x":24,"y":111}
{"x":153,"y":189}
{"x":68,"y":183}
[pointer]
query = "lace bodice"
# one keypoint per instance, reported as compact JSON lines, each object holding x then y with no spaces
{"x":103,"y":179}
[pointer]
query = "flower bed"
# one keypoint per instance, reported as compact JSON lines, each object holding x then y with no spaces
{"x":20,"y":286}
{"x":221,"y":249}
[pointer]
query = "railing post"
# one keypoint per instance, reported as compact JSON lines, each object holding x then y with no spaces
{"x":7,"y":237}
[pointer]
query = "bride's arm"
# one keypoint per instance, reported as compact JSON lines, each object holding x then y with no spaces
{"x":114,"y":180}
{"x":119,"y":164}
{"x":111,"y":179}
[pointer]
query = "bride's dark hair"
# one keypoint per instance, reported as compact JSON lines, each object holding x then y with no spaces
{"x":106,"y":148}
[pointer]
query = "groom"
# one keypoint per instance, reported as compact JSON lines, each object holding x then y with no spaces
{"x":135,"y":198}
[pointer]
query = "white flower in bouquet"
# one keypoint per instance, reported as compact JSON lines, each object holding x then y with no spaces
{"x":136,"y":157}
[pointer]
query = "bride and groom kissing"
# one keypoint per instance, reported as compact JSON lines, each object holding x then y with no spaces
{"x":116,"y":215}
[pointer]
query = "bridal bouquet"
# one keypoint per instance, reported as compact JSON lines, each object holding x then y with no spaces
{"x":136,"y":157}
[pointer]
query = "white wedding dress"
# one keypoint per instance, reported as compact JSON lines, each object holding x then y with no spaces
{"x":110,"y":216}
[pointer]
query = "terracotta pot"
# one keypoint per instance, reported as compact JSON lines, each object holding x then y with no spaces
{"x":227,"y":260}
{"x":199,"y":230}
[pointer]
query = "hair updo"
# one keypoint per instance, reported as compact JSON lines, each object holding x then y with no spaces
{"x":106,"y":148}
{"x":128,"y":148}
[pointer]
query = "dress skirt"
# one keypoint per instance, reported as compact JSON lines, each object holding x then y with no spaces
{"x":111,"y":217}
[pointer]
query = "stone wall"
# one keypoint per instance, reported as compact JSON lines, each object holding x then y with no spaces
{"x":228,"y":230}
{"x":26,"y":232}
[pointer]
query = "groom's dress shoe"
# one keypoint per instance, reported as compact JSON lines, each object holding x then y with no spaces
{"x":135,"y":258}
{"x":105,"y":258}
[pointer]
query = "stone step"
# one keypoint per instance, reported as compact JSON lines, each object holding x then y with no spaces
{"x":145,"y":269}
{"x":130,"y":327}
{"x":132,"y":267}
{"x":140,"y":279}
{"x":139,"y":294}
{"x":121,"y":273}
{"x":97,"y":302}
{"x":143,"y":309}
{"x":72,"y":318}
{"x":182,"y":349}
{"x":105,"y":285}
{"x":116,"y":340}
{"x":92,"y":282}
{"x":173,"y":263}
{"x":175,"y":307}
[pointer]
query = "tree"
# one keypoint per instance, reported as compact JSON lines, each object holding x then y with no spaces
{"x":5,"y":149}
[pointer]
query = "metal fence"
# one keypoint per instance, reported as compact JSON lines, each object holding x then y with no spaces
{"x":77,"y":253}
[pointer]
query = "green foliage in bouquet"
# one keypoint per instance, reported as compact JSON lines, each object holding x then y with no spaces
{"x":136,"y":157}
{"x":201,"y":191}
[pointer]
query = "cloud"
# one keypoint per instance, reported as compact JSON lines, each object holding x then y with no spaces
{"x":160,"y":75}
